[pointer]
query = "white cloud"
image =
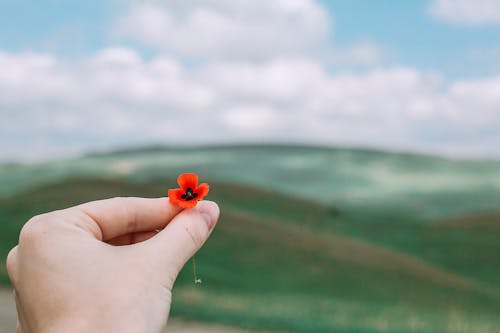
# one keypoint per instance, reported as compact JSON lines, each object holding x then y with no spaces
{"x":228,"y":29}
{"x":472,"y":12}
{"x":50,"y":106}
{"x":252,"y":120}
{"x":245,"y":30}
{"x":277,"y":81}
{"x":363,"y":53}
{"x":261,"y":71}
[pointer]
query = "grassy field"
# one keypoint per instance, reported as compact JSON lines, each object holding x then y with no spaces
{"x":287,"y":262}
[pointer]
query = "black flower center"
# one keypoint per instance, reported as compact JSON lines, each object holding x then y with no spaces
{"x":189,"y":195}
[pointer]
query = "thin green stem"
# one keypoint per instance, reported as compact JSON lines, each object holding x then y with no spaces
{"x":195,"y":276}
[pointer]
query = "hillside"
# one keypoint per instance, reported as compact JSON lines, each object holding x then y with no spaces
{"x":428,"y":186}
{"x":285,"y":262}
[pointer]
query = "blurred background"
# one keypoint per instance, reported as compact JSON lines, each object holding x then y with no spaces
{"x":353,"y":146}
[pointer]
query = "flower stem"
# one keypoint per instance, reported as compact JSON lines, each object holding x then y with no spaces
{"x":195,"y":276}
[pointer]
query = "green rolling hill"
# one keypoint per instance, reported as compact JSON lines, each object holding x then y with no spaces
{"x":292,"y":252}
{"x":429,"y":186}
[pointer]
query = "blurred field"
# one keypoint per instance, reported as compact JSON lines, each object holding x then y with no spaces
{"x":8,"y":318}
{"x":310,"y":240}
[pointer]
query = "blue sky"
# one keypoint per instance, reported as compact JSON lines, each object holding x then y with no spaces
{"x":416,"y":38}
{"x":424,"y":72}
{"x":37,"y":25}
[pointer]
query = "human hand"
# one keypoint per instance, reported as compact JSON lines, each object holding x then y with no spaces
{"x":70,"y":275}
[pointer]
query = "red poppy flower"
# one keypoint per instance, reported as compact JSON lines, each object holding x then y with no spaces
{"x":189,"y":193}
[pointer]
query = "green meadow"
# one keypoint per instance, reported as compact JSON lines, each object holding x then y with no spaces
{"x":310,"y":239}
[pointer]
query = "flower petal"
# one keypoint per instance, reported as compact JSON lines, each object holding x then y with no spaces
{"x":187,"y":204}
{"x":175,"y":196}
{"x":202,"y":191}
{"x":187,"y":180}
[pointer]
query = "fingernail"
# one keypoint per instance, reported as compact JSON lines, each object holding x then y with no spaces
{"x":210,"y":212}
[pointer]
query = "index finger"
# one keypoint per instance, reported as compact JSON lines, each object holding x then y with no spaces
{"x":125,"y":215}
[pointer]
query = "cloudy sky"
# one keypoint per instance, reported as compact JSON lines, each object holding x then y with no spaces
{"x":401,"y":75}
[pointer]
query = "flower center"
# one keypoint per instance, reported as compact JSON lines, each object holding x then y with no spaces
{"x":189,"y":195}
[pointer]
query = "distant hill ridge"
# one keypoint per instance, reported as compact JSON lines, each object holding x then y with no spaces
{"x":157,"y":148}
{"x":425,"y":185}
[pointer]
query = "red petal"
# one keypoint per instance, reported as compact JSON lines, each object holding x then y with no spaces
{"x":186,"y":180}
{"x":202,"y":191}
{"x":187,"y":204}
{"x":175,"y":196}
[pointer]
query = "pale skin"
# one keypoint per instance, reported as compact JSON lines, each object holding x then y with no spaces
{"x":104,"y":266}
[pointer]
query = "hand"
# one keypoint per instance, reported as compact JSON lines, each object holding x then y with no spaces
{"x":70,"y":275}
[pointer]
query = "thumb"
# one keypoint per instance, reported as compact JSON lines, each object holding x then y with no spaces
{"x":182,"y":237}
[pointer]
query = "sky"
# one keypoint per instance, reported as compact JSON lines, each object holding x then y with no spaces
{"x":414,"y":75}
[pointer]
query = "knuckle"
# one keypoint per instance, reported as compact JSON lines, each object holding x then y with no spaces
{"x":121,"y":201}
{"x":34,"y":229}
{"x":197,"y":231}
{"x":29,"y":230}
{"x":11,"y":263}
{"x":124,"y":201}
{"x":128,"y":211}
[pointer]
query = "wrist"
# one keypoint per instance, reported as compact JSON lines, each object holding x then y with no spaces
{"x":85,"y":325}
{"x":74,"y":325}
